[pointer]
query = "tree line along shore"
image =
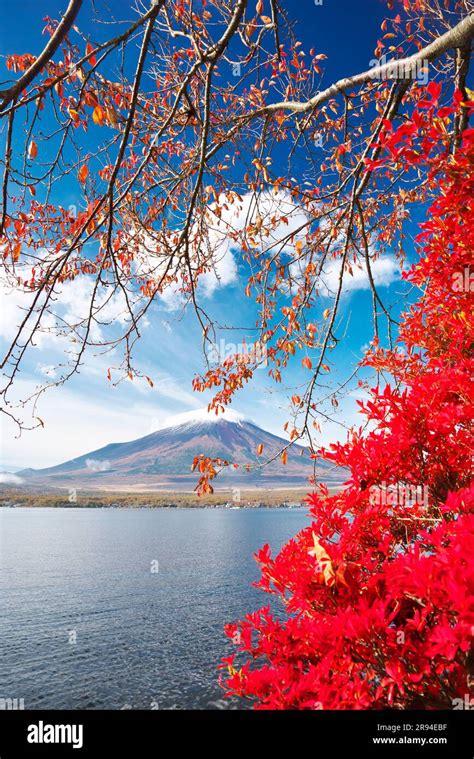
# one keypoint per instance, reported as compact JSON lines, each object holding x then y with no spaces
{"x":219,"y":499}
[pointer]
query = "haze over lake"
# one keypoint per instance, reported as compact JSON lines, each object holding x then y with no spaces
{"x":143,"y":593}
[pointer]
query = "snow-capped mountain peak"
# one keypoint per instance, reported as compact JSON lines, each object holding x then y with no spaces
{"x":201,"y":415}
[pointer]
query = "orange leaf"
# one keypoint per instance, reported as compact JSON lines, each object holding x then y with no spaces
{"x":284,"y":457}
{"x":16,"y":252}
{"x":74,"y":115}
{"x":250,"y":28}
{"x":307,"y":363}
{"x":259,"y":449}
{"x":324,"y":561}
{"x":98,"y":115}
{"x":83,"y":172}
{"x":112,"y":116}
{"x":32,"y":149}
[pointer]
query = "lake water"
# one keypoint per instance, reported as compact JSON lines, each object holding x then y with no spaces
{"x":124,"y":608}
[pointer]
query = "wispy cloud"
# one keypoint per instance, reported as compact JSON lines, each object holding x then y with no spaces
{"x":225,"y":220}
{"x":10,"y":479}
{"x":385,"y":270}
{"x":94,"y":465}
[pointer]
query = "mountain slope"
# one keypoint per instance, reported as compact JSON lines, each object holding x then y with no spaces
{"x":163,"y":459}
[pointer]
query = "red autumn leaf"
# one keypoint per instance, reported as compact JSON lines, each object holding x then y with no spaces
{"x":92,"y":59}
{"x":377,"y":591}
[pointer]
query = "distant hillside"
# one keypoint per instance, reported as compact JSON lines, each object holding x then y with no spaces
{"x":163,"y":460}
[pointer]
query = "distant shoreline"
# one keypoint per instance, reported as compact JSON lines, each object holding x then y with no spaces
{"x":225,"y":499}
{"x":148,"y":507}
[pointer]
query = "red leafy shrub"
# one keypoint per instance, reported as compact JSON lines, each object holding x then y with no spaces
{"x":378,"y":592}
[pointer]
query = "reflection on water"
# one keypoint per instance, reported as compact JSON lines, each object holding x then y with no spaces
{"x":107,"y":608}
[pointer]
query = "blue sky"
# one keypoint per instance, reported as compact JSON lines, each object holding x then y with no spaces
{"x":89,"y":412}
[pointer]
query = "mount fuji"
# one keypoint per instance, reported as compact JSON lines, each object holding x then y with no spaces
{"x":163,"y":459}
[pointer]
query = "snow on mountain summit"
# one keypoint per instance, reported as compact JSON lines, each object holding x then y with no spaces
{"x":203,"y":415}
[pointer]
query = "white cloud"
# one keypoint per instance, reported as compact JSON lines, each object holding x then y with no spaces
{"x":69,"y":308}
{"x":75,"y":300}
{"x":9,"y":479}
{"x":94,"y":465}
{"x":385,"y":270}
{"x":14,"y":302}
{"x":49,"y":371}
{"x":219,"y":247}
{"x":169,"y":388}
{"x":267,"y":209}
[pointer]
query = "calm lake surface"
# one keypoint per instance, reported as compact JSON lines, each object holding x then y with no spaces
{"x":144,"y":593}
